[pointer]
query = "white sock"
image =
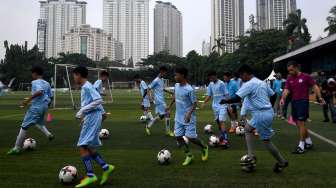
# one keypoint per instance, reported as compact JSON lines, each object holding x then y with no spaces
{"x":150,"y":124}
{"x":309,"y":140}
{"x":20,"y":139}
{"x":302,"y":145}
{"x":150,"y":116}
{"x":44,"y":129}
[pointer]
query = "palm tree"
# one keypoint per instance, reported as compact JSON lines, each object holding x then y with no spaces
{"x":331,"y":21}
{"x":220,"y":45}
{"x":296,"y":27}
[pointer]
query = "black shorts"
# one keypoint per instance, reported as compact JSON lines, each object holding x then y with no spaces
{"x":300,"y":110}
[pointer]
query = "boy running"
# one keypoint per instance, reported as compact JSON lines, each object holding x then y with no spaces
{"x":158,"y":89}
{"x":232,"y":88}
{"x":40,"y":100}
{"x":145,"y":103}
{"x":98,"y":85}
{"x":217,"y":91}
{"x":255,"y":95}
{"x":185,"y":116}
{"x":90,"y":116}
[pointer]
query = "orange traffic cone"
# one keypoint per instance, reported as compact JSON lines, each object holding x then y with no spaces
{"x":49,"y":118}
{"x":291,"y":121}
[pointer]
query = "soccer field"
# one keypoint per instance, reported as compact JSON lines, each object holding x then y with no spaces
{"x":134,"y":154}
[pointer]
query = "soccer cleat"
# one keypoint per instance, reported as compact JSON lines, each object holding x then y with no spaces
{"x":308,"y":146}
{"x":278,"y":167}
{"x":232,"y":130}
{"x":51,"y":137}
{"x":106,"y":174}
{"x":14,"y":151}
{"x":87,"y":181}
{"x":188,"y":160}
{"x":299,"y":150}
{"x":170,"y":133}
{"x":147,"y":130}
{"x":224,"y":144}
{"x":205,"y":153}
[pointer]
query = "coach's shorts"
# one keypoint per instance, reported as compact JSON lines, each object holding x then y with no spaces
{"x":300,"y":110}
{"x":89,"y":135}
{"x":262,"y":121}
{"x":188,"y":130}
{"x":220,"y":113}
{"x":160,"y":108}
{"x":34,"y":115}
{"x":145,"y":103}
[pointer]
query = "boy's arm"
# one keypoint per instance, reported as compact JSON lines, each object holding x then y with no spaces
{"x":91,"y":106}
{"x":29,"y":99}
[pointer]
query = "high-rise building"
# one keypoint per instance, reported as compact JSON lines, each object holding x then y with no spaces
{"x":206,"y":48}
{"x":168,"y":31}
{"x":128,"y":22}
{"x":60,"y":16}
{"x":95,"y":43}
{"x":41,"y":35}
{"x":271,"y":14}
{"x":227,"y":23}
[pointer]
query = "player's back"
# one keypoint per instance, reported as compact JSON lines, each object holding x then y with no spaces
{"x":44,"y":87}
{"x":158,"y":87}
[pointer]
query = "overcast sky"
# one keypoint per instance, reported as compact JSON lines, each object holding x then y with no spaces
{"x":19,"y":17}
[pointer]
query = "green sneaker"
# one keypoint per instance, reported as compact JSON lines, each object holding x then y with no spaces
{"x":170,"y":134}
{"x":188,"y":160}
{"x":106,"y":174}
{"x":14,"y":151}
{"x":87,"y":181}
{"x":205,"y":153}
{"x":147,"y":131}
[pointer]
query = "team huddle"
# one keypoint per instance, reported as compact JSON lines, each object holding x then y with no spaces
{"x":247,"y":93}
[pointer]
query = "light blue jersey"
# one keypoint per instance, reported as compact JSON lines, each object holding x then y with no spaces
{"x":255,"y":94}
{"x":158,"y":87}
{"x":238,"y":82}
{"x":98,"y":85}
{"x":43,"y":86}
{"x":232,"y":89}
{"x":89,"y":135}
{"x":217,"y":90}
{"x":185,"y":98}
{"x":145,"y":100}
{"x":277,"y":87}
{"x":39,"y":106}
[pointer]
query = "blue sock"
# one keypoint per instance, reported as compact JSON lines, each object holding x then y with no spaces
{"x":224,"y":134}
{"x":88,"y":166}
{"x":98,"y":158}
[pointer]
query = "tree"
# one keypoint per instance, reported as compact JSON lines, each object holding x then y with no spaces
{"x":332,"y":22}
{"x":220,"y":44}
{"x":296,"y":28}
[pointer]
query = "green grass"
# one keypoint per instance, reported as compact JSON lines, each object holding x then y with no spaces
{"x":134,"y":154}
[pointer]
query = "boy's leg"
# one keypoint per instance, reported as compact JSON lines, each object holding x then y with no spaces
{"x":333,"y":112}
{"x":86,"y":158}
{"x":249,"y":138}
{"x":221,"y":125}
{"x":167,"y":123}
{"x":45,"y":131}
{"x":106,"y":167}
{"x":326,"y":112}
{"x":274,"y":151}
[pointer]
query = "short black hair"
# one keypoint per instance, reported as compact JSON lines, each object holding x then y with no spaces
{"x":38,"y":70}
{"x":137,"y":76}
{"x":292,"y":63}
{"x":245,"y":69}
{"x":163,"y":68}
{"x":83,"y":71}
{"x":212,"y":73}
{"x":104,"y":73}
{"x":228,"y":74}
{"x":183,"y":71}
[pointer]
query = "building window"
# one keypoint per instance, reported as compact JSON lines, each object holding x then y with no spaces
{"x":83,"y":45}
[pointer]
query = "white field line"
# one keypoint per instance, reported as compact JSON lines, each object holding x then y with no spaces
{"x":333,"y":143}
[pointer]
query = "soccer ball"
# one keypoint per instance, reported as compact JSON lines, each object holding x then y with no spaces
{"x":208,"y":129}
{"x":247,"y":163}
{"x":67,"y":175}
{"x":240,"y":131}
{"x":143,"y":119}
{"x":213,"y":141}
{"x":104,"y":134}
{"x":164,"y":157}
{"x":29,"y":144}
{"x":186,"y":140}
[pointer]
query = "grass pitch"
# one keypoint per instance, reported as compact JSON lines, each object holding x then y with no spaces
{"x":134,"y":154}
